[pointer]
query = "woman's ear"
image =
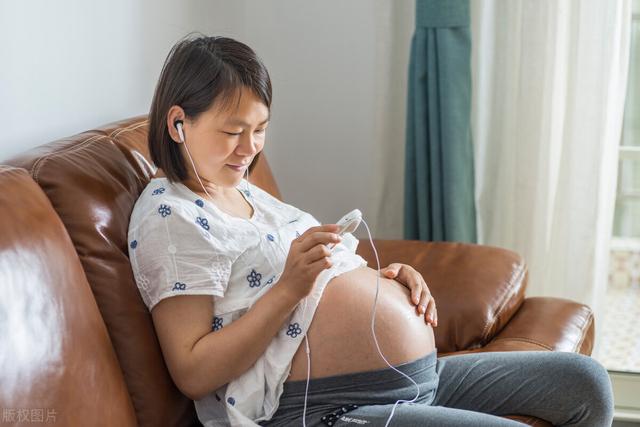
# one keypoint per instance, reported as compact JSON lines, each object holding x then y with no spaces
{"x":175,"y":115}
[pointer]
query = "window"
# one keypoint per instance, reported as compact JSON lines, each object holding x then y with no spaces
{"x":620,"y":349}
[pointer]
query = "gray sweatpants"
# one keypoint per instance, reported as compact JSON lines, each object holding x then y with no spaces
{"x":566,"y":389}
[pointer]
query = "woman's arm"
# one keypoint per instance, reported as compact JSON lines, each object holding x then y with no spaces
{"x":201,"y":360}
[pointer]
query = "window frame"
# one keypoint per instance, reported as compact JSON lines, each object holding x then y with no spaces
{"x":626,"y":384}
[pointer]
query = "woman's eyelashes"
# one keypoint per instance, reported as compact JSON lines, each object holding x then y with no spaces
{"x":238,"y":133}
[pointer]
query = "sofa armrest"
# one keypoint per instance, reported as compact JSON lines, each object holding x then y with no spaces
{"x":547,"y":323}
{"x":477,"y":288}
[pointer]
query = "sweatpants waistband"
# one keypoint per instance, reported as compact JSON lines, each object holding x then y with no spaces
{"x":420,"y":370}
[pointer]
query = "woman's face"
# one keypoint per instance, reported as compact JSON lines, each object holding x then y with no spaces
{"x":217,"y":139}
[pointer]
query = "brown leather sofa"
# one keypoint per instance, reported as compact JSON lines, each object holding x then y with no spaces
{"x":78,"y":342}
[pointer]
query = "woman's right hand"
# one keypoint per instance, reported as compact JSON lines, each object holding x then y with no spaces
{"x":308,"y":257}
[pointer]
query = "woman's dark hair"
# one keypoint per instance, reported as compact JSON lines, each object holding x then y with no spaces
{"x":198,"y":73}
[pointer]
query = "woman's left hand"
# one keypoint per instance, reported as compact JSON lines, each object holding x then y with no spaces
{"x":420,"y":294}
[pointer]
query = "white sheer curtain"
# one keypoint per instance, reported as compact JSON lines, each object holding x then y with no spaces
{"x":549,"y":83}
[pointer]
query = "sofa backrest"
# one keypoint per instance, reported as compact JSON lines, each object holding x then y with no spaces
{"x":92,"y":181}
{"x":57,"y":363}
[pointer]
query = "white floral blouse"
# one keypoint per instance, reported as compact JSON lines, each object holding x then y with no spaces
{"x":181,"y":244}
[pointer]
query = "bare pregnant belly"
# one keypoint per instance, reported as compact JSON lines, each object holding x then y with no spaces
{"x":340,"y":338}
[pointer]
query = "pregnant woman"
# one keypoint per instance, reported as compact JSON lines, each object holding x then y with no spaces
{"x":236,"y":280}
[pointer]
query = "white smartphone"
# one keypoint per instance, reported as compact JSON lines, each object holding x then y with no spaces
{"x":348,"y":224}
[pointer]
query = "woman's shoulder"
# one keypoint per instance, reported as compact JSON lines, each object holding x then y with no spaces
{"x":161,"y":199}
{"x":167,"y":217}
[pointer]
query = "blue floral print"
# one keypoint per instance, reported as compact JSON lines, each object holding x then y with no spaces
{"x":254,"y":278}
{"x":164,"y":210}
{"x":199,"y":202}
{"x":203,"y":223}
{"x":217,"y":323}
{"x":179,"y":286}
{"x":294,"y":330}
{"x":231,"y":400}
{"x":134,"y":244}
{"x":158,"y":191}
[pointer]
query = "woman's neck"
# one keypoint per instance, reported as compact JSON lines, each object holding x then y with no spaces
{"x":217,"y":192}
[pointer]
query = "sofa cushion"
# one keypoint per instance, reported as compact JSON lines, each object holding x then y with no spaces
{"x":57,"y":362}
{"x":477,"y":288}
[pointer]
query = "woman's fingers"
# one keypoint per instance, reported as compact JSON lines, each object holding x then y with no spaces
{"x":420,"y":294}
{"x":425,"y":296}
{"x":427,"y":305}
{"x":411,"y":279}
{"x":431,"y":312}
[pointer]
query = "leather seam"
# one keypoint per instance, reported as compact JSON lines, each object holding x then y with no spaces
{"x":131,"y":127}
{"x":7,"y":168}
{"x":35,"y":169}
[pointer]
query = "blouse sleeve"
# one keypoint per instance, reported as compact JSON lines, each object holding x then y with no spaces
{"x":177,"y":251}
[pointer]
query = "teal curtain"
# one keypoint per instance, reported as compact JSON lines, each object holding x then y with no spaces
{"x":439,"y":181}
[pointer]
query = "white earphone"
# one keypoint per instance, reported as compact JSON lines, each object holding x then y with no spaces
{"x":178,"y":125}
